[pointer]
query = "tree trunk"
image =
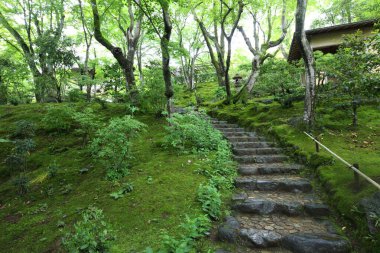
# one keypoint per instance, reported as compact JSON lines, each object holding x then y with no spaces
{"x":130,"y":76}
{"x":191,"y":75}
{"x":125,"y":62}
{"x":255,"y":72}
{"x":139,"y":65}
{"x":307,"y":55}
{"x":227,"y":70}
{"x":165,"y":39}
{"x":354,"y":113}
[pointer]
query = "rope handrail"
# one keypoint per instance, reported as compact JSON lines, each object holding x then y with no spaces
{"x":345,"y":162}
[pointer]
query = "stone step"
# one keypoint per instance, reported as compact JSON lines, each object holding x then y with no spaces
{"x":297,"y":234}
{"x":233,"y":130}
{"x":268,"y":168}
{"x":239,"y":134}
{"x":215,"y":121}
{"x":253,"y":144}
{"x":256,"y":202}
{"x":286,"y":184}
{"x":256,"y":151}
{"x":247,"y":159}
{"x":238,"y":139}
{"x":225,"y":125}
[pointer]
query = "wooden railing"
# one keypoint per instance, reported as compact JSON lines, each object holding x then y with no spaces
{"x":354,"y":167}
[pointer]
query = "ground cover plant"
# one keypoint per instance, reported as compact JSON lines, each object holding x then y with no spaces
{"x":64,"y":180}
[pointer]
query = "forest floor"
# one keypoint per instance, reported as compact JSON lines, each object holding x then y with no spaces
{"x":356,"y":145}
{"x":165,"y":185}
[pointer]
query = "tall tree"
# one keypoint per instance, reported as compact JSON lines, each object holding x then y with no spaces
{"x":132,"y":36}
{"x":41,"y":22}
{"x":190,"y":43}
{"x":163,"y":29}
{"x":334,"y":12}
{"x":224,"y":16}
{"x":261,"y":50}
{"x":88,"y":36}
{"x":308,"y":58}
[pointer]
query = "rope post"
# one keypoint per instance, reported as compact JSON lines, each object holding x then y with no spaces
{"x":316,"y":145}
{"x":356,"y":177}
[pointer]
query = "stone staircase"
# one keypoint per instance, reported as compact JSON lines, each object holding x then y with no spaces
{"x":275,"y":209}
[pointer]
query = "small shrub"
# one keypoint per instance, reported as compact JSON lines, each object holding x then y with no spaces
{"x":91,"y":234}
{"x":101,"y":102}
{"x":194,"y":228}
{"x":22,"y":184}
{"x":126,"y":188}
{"x":192,"y":132}
{"x":112,"y":145}
{"x":24,"y":146}
{"x":220,"y":93}
{"x":76,"y":95}
{"x":15,"y":162}
{"x":24,"y":129}
{"x":131,"y":109}
{"x":87,"y":123}
{"x":53,"y":169}
{"x":59,"y":118}
{"x":209,"y":197}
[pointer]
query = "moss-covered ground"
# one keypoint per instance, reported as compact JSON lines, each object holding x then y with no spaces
{"x":164,"y":181}
{"x":356,"y":145}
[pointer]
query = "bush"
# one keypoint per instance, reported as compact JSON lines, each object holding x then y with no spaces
{"x":59,"y":118}
{"x":210,"y":199}
{"x":112,"y":145}
{"x":53,"y":169}
{"x":17,"y":160}
{"x":152,"y":95}
{"x":76,"y":95}
{"x":192,"y":132}
{"x":22,"y":184}
{"x":24,"y":146}
{"x":92,"y":234}
{"x":101,"y":102}
{"x":280,"y":79}
{"x":24,"y":129}
{"x":87,"y":122}
{"x":194,"y":228}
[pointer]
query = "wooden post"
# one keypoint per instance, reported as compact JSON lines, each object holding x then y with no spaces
{"x":316,"y":145}
{"x":356,"y":177}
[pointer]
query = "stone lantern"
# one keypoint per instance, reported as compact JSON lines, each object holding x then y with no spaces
{"x":237,"y":79}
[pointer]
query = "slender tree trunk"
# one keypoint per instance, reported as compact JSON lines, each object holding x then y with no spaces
{"x":139,"y":64}
{"x":129,"y":74}
{"x":191,"y":76}
{"x":227,"y":70}
{"x":354,"y":112}
{"x":255,"y":72}
{"x":125,"y":62}
{"x":307,"y":55}
{"x":165,"y":39}
{"x":3,"y":93}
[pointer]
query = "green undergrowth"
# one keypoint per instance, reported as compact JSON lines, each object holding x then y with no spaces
{"x":159,"y":192}
{"x":356,"y":145}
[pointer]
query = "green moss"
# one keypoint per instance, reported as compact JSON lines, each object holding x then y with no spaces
{"x":165,"y":185}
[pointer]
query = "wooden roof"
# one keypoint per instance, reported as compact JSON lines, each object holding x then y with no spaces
{"x":295,"y":53}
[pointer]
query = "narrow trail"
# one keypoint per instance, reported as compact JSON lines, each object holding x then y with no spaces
{"x":275,"y":209}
